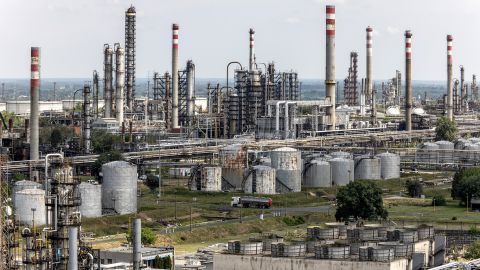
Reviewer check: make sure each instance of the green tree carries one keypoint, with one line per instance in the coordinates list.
(152, 181)
(360, 199)
(439, 200)
(103, 141)
(110, 156)
(148, 236)
(466, 188)
(457, 184)
(414, 188)
(446, 129)
(473, 251)
(56, 137)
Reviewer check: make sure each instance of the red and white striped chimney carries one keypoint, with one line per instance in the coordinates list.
(450, 77)
(175, 29)
(330, 83)
(369, 63)
(408, 80)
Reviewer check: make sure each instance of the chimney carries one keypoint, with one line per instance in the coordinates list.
(408, 80)
(108, 80)
(34, 96)
(119, 82)
(251, 60)
(175, 29)
(449, 77)
(330, 82)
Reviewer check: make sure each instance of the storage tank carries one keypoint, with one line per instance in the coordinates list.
(25, 201)
(211, 179)
(288, 163)
(233, 160)
(445, 151)
(367, 167)
(470, 152)
(261, 180)
(341, 154)
(119, 187)
(474, 140)
(24, 184)
(91, 195)
(342, 171)
(460, 143)
(389, 165)
(317, 174)
(428, 152)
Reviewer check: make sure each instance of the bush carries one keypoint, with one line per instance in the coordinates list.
(294, 221)
(414, 188)
(439, 200)
(148, 236)
(360, 200)
(152, 182)
(446, 129)
(473, 251)
(466, 184)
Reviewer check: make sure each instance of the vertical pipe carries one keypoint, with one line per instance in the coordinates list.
(369, 64)
(450, 77)
(251, 59)
(462, 89)
(191, 90)
(72, 248)
(330, 83)
(34, 96)
(408, 80)
(86, 120)
(95, 94)
(119, 82)
(108, 80)
(130, 29)
(175, 29)
(137, 243)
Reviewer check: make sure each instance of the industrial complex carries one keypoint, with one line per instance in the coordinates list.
(166, 160)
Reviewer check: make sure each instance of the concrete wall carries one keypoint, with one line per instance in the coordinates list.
(238, 262)
(423, 247)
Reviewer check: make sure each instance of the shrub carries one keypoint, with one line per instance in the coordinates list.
(439, 200)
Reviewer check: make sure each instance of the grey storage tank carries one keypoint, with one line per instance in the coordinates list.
(367, 167)
(261, 180)
(445, 151)
(341, 154)
(29, 206)
(342, 171)
(428, 152)
(317, 174)
(233, 160)
(119, 187)
(390, 165)
(211, 179)
(91, 195)
(288, 163)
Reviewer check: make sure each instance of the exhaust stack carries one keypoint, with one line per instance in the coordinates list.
(330, 83)
(408, 80)
(175, 29)
(108, 80)
(450, 77)
(119, 82)
(34, 96)
(137, 243)
(369, 65)
(462, 89)
(86, 119)
(251, 60)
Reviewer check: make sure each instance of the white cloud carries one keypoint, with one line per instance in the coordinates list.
(293, 20)
(392, 30)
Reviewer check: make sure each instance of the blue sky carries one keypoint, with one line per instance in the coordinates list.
(214, 32)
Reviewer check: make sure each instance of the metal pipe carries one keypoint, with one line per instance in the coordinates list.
(408, 80)
(86, 120)
(277, 116)
(462, 89)
(137, 243)
(95, 94)
(369, 80)
(34, 97)
(72, 248)
(330, 82)
(175, 29)
(190, 90)
(251, 60)
(119, 82)
(287, 120)
(108, 80)
(450, 77)
(130, 21)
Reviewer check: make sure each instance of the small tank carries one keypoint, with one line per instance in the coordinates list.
(446, 151)
(428, 152)
(211, 179)
(119, 187)
(460, 143)
(390, 165)
(470, 152)
(24, 184)
(233, 161)
(332, 252)
(474, 140)
(342, 171)
(29, 206)
(91, 195)
(367, 167)
(341, 154)
(288, 164)
(261, 180)
(317, 174)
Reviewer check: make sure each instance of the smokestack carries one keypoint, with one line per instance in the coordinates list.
(34, 95)
(119, 82)
(95, 94)
(108, 80)
(130, 18)
(450, 77)
(251, 60)
(330, 83)
(369, 64)
(190, 90)
(175, 29)
(86, 119)
(462, 88)
(72, 248)
(137, 243)
(408, 80)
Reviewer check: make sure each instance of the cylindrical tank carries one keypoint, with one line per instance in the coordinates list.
(381, 253)
(29, 206)
(24, 184)
(317, 174)
(91, 195)
(445, 151)
(474, 140)
(119, 187)
(428, 152)
(401, 250)
(261, 180)
(233, 160)
(470, 152)
(211, 179)
(341, 154)
(367, 167)
(336, 251)
(287, 161)
(251, 248)
(342, 171)
(460, 143)
(390, 165)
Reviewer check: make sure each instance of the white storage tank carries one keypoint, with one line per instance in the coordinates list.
(343, 171)
(25, 201)
(91, 195)
(261, 180)
(317, 174)
(211, 179)
(24, 184)
(119, 187)
(474, 140)
(233, 161)
(367, 167)
(470, 152)
(445, 151)
(341, 154)
(390, 165)
(288, 164)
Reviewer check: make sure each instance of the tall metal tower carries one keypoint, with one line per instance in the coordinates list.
(130, 18)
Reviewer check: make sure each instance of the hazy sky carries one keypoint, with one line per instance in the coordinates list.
(214, 32)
